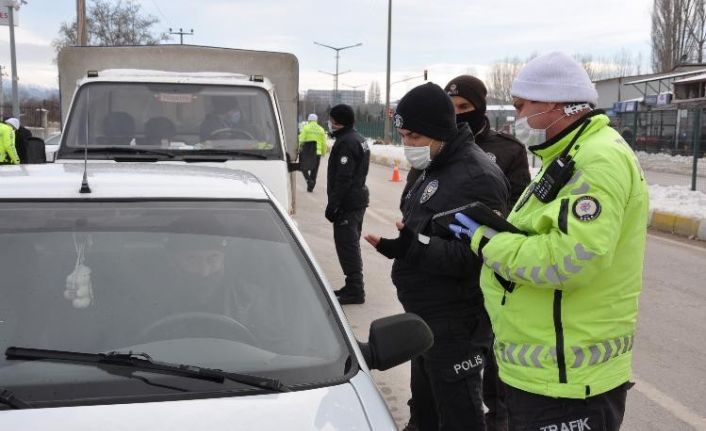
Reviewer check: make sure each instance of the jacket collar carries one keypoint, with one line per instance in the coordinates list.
(551, 148)
(452, 147)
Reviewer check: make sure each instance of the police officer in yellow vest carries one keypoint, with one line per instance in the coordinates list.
(562, 296)
(8, 152)
(312, 145)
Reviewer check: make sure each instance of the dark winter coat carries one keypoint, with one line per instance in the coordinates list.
(510, 155)
(440, 279)
(347, 170)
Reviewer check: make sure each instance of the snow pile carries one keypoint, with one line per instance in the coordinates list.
(661, 162)
(678, 200)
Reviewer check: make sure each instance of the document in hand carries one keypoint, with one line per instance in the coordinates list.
(479, 212)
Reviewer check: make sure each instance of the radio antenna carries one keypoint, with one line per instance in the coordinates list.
(85, 188)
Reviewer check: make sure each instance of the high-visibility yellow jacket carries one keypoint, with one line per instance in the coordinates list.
(315, 133)
(563, 297)
(8, 152)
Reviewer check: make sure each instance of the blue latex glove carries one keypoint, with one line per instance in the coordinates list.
(468, 228)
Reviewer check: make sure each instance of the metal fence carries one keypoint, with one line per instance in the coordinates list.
(31, 113)
(670, 131)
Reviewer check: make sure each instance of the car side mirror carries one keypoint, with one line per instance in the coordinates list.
(396, 339)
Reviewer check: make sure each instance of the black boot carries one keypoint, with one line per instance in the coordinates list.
(350, 296)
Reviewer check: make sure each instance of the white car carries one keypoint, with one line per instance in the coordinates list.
(145, 296)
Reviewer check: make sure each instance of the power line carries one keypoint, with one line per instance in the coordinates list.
(161, 13)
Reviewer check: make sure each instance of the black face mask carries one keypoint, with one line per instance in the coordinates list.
(475, 119)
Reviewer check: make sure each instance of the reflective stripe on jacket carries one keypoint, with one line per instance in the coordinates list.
(565, 320)
(314, 133)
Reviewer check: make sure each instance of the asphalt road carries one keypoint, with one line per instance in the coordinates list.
(670, 347)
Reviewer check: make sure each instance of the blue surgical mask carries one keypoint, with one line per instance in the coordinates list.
(418, 157)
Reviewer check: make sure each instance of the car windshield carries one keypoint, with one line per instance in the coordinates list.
(221, 285)
(181, 118)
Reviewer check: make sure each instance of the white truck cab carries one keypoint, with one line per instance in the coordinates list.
(182, 105)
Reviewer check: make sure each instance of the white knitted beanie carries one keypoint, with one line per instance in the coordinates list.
(554, 77)
(313, 117)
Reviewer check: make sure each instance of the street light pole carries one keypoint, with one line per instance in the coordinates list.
(181, 34)
(336, 98)
(13, 63)
(388, 127)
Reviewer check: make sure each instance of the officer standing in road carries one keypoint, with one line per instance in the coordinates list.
(436, 276)
(8, 151)
(562, 297)
(312, 145)
(347, 199)
(468, 95)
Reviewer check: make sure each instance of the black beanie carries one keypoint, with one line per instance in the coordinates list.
(342, 114)
(470, 88)
(427, 110)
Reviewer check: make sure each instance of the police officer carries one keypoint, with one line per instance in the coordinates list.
(562, 297)
(437, 277)
(347, 199)
(468, 95)
(312, 143)
(8, 151)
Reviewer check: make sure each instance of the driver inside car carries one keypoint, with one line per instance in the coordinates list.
(226, 121)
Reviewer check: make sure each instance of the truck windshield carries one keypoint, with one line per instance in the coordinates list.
(220, 285)
(180, 118)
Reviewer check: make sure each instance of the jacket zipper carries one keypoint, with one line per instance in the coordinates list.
(559, 330)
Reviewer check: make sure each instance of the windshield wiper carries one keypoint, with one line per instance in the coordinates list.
(9, 399)
(223, 152)
(126, 150)
(143, 362)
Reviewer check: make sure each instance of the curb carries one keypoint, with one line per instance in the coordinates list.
(690, 227)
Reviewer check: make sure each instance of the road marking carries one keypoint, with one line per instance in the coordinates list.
(668, 403)
(679, 243)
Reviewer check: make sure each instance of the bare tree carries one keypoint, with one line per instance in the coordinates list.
(502, 73)
(671, 33)
(696, 25)
(374, 93)
(110, 23)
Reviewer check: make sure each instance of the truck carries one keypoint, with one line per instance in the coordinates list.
(182, 104)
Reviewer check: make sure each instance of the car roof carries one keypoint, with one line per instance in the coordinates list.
(128, 180)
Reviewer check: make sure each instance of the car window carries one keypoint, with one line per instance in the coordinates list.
(174, 117)
(214, 284)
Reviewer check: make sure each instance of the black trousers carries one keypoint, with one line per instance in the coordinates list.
(310, 174)
(346, 235)
(446, 380)
(532, 412)
(494, 395)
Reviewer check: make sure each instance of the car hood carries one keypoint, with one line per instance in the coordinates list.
(329, 408)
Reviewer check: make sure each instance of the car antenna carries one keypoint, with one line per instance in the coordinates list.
(85, 188)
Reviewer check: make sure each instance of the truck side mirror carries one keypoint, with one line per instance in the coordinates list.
(396, 339)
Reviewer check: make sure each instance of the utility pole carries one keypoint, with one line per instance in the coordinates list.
(336, 97)
(181, 34)
(81, 36)
(388, 126)
(13, 60)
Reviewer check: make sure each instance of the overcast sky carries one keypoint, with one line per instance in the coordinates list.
(447, 37)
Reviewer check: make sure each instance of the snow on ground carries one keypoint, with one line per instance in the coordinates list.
(672, 199)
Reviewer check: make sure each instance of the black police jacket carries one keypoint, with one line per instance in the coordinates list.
(510, 155)
(347, 170)
(439, 275)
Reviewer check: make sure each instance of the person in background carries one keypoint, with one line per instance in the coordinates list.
(468, 94)
(563, 295)
(312, 145)
(8, 150)
(348, 197)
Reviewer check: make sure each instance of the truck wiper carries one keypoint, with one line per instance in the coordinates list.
(127, 150)
(143, 362)
(223, 152)
(9, 399)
